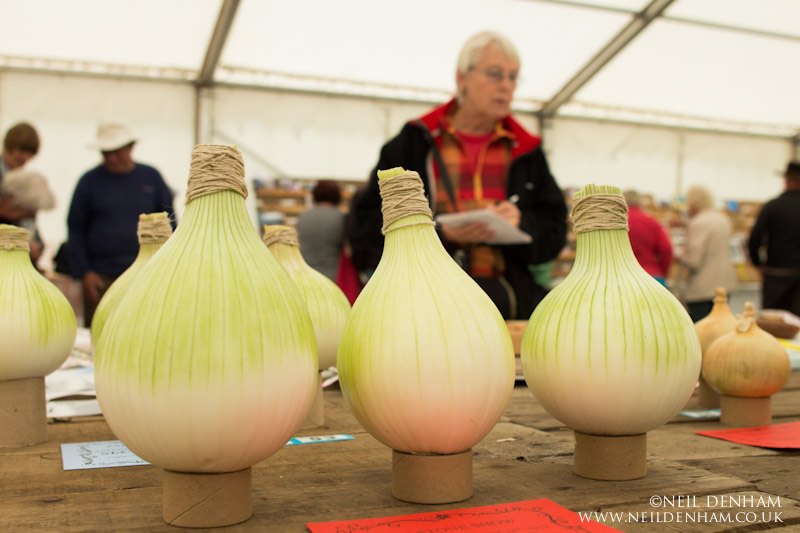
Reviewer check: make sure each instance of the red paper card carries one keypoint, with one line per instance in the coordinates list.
(774, 436)
(531, 515)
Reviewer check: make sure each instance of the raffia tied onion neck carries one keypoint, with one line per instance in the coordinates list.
(154, 229)
(13, 238)
(402, 196)
(280, 235)
(215, 168)
(599, 212)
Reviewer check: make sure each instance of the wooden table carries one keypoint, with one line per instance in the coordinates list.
(527, 456)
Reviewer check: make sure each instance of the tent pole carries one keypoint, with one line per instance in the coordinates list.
(203, 115)
(638, 22)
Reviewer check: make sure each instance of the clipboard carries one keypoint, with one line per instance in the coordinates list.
(504, 233)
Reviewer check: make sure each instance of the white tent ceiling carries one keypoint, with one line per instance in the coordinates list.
(708, 64)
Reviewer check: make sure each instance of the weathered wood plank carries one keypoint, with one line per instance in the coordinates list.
(352, 479)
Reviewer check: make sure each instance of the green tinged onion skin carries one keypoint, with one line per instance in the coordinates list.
(209, 364)
(426, 362)
(117, 289)
(37, 323)
(327, 304)
(609, 351)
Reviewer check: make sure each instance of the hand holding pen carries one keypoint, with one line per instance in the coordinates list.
(508, 210)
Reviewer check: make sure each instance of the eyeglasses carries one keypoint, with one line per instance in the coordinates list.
(497, 75)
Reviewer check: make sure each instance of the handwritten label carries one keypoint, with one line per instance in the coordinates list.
(113, 453)
(103, 454)
(781, 436)
(532, 515)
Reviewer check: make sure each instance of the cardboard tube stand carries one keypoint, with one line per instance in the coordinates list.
(206, 500)
(316, 416)
(23, 412)
(707, 398)
(431, 478)
(745, 412)
(610, 458)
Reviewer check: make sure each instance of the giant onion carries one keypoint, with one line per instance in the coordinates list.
(209, 363)
(37, 328)
(153, 231)
(609, 351)
(425, 362)
(327, 304)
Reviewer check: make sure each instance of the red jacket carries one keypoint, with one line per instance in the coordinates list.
(650, 243)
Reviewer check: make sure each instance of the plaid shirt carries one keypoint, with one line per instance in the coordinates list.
(475, 185)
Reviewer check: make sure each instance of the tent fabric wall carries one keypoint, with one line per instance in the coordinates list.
(665, 162)
(308, 136)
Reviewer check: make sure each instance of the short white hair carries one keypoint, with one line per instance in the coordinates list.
(699, 197)
(473, 49)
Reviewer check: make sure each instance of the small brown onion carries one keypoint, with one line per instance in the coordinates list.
(718, 322)
(747, 362)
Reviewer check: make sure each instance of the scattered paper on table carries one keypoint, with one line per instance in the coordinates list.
(532, 515)
(707, 413)
(102, 454)
(77, 381)
(320, 438)
(73, 408)
(329, 376)
(781, 436)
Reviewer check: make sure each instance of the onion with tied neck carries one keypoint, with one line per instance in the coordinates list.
(426, 362)
(153, 231)
(609, 351)
(37, 332)
(37, 323)
(209, 363)
(327, 304)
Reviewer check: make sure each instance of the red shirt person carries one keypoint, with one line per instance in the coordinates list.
(650, 243)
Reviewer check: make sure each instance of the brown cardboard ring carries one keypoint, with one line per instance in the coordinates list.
(609, 458)
(206, 500)
(432, 478)
(23, 412)
(745, 412)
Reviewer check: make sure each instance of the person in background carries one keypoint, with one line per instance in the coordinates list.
(778, 228)
(20, 144)
(650, 243)
(320, 229)
(104, 214)
(471, 154)
(706, 253)
(29, 192)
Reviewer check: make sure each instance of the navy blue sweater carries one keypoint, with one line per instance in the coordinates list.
(104, 217)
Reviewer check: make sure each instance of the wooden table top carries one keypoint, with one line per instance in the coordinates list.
(528, 455)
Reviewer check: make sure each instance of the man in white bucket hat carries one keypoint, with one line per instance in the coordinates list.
(104, 213)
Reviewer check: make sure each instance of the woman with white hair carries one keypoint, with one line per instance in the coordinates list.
(471, 154)
(706, 252)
